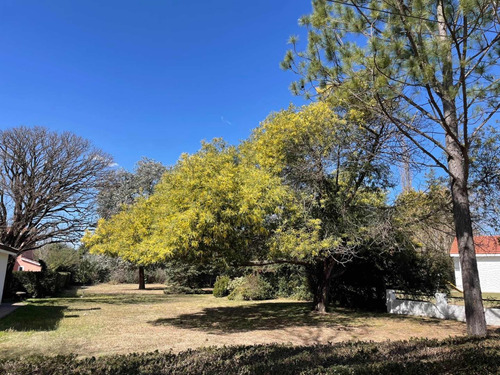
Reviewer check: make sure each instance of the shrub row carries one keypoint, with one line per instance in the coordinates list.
(452, 356)
(40, 284)
(270, 282)
(246, 288)
(250, 288)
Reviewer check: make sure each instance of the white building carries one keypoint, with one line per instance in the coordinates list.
(488, 263)
(4, 258)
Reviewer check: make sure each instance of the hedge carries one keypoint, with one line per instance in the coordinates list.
(463, 355)
(40, 284)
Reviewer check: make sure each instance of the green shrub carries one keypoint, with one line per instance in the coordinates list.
(288, 280)
(179, 289)
(60, 257)
(92, 270)
(40, 284)
(192, 275)
(221, 286)
(250, 288)
(463, 355)
(367, 276)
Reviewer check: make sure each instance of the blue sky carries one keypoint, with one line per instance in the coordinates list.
(145, 78)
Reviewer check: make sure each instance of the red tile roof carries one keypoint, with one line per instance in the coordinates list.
(483, 244)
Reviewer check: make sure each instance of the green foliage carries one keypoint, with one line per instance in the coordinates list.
(460, 355)
(306, 187)
(180, 289)
(40, 284)
(192, 275)
(249, 288)
(60, 257)
(366, 278)
(91, 270)
(221, 286)
(288, 281)
(211, 204)
(94, 269)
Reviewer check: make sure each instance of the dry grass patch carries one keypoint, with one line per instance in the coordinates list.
(111, 319)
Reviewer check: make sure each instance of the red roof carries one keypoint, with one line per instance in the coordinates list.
(483, 244)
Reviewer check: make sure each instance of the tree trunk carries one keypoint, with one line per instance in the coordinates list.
(458, 165)
(142, 279)
(457, 147)
(7, 288)
(474, 311)
(321, 285)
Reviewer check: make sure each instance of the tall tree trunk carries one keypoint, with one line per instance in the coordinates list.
(458, 165)
(474, 310)
(142, 279)
(321, 284)
(457, 147)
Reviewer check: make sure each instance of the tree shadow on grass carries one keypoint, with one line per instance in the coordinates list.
(280, 315)
(33, 317)
(111, 299)
(261, 316)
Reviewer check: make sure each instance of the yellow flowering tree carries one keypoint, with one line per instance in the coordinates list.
(335, 169)
(213, 203)
(304, 189)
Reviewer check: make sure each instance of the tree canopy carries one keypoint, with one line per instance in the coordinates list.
(430, 68)
(212, 203)
(48, 184)
(307, 188)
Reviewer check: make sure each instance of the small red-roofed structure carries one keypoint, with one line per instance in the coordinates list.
(26, 262)
(488, 262)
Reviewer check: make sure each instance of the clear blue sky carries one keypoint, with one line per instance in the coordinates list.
(145, 78)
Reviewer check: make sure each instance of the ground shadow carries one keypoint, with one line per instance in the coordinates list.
(262, 316)
(112, 299)
(279, 315)
(33, 317)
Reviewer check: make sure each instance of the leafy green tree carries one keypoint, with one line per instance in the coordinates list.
(59, 257)
(122, 236)
(428, 66)
(426, 216)
(339, 178)
(307, 189)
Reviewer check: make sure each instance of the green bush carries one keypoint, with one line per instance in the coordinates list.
(288, 280)
(366, 278)
(40, 284)
(463, 355)
(179, 289)
(60, 257)
(221, 286)
(91, 270)
(250, 288)
(192, 275)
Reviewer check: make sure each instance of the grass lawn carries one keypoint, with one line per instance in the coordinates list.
(114, 319)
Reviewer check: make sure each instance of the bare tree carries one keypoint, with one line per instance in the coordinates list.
(47, 186)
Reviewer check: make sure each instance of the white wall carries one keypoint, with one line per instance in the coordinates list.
(440, 309)
(489, 273)
(3, 271)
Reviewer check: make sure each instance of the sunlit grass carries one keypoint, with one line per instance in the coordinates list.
(109, 319)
